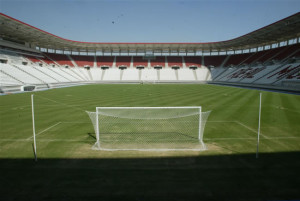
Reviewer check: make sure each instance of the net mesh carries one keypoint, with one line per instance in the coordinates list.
(149, 128)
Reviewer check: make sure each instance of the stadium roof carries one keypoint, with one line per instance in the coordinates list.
(14, 30)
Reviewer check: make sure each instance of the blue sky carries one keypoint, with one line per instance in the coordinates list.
(149, 20)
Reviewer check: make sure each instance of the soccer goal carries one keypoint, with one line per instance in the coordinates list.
(149, 128)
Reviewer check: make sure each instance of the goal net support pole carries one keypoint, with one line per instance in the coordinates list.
(149, 128)
(258, 130)
(33, 127)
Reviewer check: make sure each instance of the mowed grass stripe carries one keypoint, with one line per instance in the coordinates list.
(227, 103)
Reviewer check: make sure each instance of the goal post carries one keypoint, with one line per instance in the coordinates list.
(149, 128)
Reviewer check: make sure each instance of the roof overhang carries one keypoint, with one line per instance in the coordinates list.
(15, 30)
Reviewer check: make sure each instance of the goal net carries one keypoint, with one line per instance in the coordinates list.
(149, 128)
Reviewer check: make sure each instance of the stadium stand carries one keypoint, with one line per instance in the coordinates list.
(130, 75)
(186, 74)
(112, 75)
(123, 61)
(7, 79)
(203, 74)
(61, 59)
(193, 61)
(174, 61)
(33, 59)
(105, 61)
(140, 61)
(149, 74)
(278, 74)
(96, 74)
(167, 74)
(83, 61)
(238, 59)
(214, 60)
(159, 61)
(271, 65)
(48, 61)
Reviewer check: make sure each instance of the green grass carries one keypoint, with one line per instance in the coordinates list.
(68, 169)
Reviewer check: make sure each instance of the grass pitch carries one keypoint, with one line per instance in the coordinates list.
(67, 168)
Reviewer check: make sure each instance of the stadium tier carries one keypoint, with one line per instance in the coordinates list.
(174, 61)
(54, 69)
(140, 61)
(82, 61)
(123, 61)
(105, 61)
(57, 62)
(61, 59)
(194, 61)
(159, 61)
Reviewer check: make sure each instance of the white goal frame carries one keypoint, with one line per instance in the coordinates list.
(97, 145)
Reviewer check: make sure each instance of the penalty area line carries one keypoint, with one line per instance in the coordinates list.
(245, 138)
(45, 140)
(44, 130)
(251, 129)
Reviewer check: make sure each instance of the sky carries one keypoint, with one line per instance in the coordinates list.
(149, 20)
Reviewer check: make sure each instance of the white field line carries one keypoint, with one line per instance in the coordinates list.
(222, 121)
(251, 129)
(75, 122)
(46, 140)
(44, 130)
(269, 138)
(234, 138)
(208, 139)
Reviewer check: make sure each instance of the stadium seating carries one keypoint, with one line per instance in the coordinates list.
(158, 61)
(174, 61)
(193, 61)
(149, 74)
(82, 61)
(124, 61)
(203, 74)
(288, 52)
(140, 61)
(20, 74)
(61, 59)
(295, 75)
(167, 74)
(112, 75)
(33, 59)
(280, 73)
(105, 61)
(275, 67)
(96, 74)
(214, 60)
(130, 74)
(186, 74)
(238, 59)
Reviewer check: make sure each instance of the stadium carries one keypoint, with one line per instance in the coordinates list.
(150, 121)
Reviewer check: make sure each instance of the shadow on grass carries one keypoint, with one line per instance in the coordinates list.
(225, 177)
(92, 135)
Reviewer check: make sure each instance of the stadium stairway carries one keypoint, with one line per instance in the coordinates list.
(121, 74)
(103, 74)
(158, 74)
(195, 75)
(225, 60)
